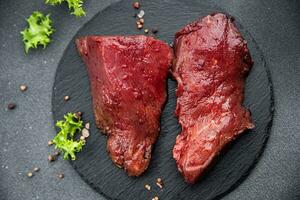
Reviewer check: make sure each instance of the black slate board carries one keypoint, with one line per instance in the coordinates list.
(93, 163)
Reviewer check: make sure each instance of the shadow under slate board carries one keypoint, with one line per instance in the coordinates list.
(93, 163)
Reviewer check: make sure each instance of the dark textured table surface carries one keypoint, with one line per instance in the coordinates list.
(25, 130)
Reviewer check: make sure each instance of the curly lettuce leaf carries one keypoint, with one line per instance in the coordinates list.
(64, 140)
(38, 32)
(74, 5)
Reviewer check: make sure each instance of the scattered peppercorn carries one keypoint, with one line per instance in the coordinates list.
(142, 21)
(11, 106)
(36, 169)
(23, 88)
(154, 30)
(171, 44)
(82, 137)
(29, 174)
(141, 14)
(56, 153)
(50, 142)
(51, 158)
(139, 26)
(66, 98)
(78, 115)
(136, 5)
(159, 183)
(85, 133)
(148, 187)
(87, 125)
(146, 31)
(61, 176)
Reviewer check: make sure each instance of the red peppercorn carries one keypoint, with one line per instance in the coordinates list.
(11, 106)
(136, 5)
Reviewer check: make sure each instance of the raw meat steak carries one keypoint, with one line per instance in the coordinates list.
(128, 83)
(211, 63)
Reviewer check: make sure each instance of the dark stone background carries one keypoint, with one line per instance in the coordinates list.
(24, 132)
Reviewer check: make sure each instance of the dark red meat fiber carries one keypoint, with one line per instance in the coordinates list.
(128, 82)
(211, 63)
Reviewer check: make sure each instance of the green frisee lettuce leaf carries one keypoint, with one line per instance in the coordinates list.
(38, 32)
(64, 140)
(74, 5)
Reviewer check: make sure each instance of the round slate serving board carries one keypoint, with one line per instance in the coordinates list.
(94, 164)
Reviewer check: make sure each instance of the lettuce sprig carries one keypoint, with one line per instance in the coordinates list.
(75, 6)
(64, 140)
(38, 31)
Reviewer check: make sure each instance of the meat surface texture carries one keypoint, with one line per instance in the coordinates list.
(211, 63)
(128, 83)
